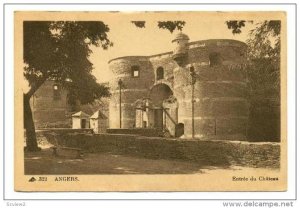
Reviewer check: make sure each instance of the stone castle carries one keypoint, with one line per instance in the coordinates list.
(197, 90)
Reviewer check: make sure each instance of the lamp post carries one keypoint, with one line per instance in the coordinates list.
(120, 83)
(146, 109)
(193, 76)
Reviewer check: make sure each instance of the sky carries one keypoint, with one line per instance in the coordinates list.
(131, 41)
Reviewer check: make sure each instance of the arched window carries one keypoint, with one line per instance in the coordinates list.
(135, 71)
(159, 73)
(56, 92)
(215, 59)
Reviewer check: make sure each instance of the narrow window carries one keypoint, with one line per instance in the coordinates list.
(135, 70)
(56, 92)
(215, 59)
(159, 73)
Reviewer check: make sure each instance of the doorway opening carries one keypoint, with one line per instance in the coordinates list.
(158, 94)
(83, 123)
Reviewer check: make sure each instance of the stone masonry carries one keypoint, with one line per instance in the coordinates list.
(220, 90)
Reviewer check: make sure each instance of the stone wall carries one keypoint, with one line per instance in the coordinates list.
(231, 51)
(151, 132)
(221, 92)
(210, 153)
(221, 105)
(167, 63)
(49, 112)
(63, 131)
(133, 88)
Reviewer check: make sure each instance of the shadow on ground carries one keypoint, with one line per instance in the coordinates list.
(123, 154)
(44, 162)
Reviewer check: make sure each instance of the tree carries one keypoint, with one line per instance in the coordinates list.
(263, 72)
(264, 39)
(59, 51)
(263, 51)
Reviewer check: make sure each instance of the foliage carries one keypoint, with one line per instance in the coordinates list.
(236, 26)
(139, 24)
(263, 72)
(264, 79)
(264, 39)
(167, 25)
(171, 25)
(263, 51)
(60, 51)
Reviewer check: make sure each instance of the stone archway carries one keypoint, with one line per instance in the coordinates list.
(159, 93)
(164, 112)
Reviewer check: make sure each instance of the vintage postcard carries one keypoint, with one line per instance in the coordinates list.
(150, 101)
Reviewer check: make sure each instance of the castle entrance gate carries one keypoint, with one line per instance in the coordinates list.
(158, 94)
(164, 108)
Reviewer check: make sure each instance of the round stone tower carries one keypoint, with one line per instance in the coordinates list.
(181, 48)
(219, 88)
(205, 78)
(137, 76)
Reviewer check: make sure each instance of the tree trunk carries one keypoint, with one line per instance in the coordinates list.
(31, 142)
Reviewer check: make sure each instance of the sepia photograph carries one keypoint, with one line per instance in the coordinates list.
(150, 101)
